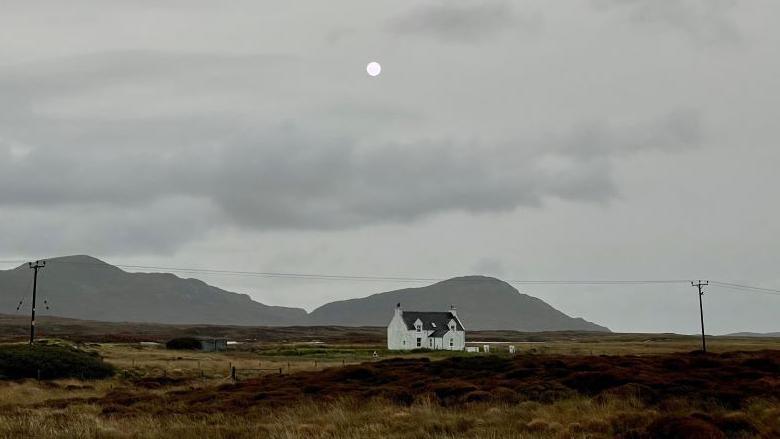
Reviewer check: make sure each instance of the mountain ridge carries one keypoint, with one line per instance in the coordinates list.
(84, 287)
(482, 303)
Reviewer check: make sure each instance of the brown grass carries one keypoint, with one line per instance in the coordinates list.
(684, 395)
(727, 380)
(165, 394)
(575, 417)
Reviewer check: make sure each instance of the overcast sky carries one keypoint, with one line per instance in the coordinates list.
(588, 139)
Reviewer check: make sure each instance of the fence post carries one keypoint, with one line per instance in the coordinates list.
(280, 371)
(39, 374)
(233, 372)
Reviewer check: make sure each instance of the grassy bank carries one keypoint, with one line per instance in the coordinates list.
(577, 417)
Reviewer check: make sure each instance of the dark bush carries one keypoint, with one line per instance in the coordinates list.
(358, 373)
(763, 364)
(312, 389)
(517, 374)
(644, 393)
(688, 427)
(736, 424)
(704, 362)
(452, 388)
(477, 396)
(505, 394)
(52, 361)
(184, 343)
(592, 383)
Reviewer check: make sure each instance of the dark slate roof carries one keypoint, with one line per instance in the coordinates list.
(439, 333)
(440, 319)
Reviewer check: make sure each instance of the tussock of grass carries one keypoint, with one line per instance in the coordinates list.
(526, 396)
(578, 417)
(51, 362)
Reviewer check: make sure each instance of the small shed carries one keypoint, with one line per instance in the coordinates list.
(208, 344)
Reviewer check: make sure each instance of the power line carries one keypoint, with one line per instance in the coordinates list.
(319, 276)
(410, 279)
(20, 305)
(746, 288)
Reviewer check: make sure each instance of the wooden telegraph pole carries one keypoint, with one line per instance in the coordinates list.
(35, 266)
(699, 285)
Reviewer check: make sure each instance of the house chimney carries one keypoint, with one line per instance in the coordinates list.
(398, 310)
(453, 311)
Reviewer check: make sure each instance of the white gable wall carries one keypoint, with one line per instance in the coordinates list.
(399, 337)
(458, 339)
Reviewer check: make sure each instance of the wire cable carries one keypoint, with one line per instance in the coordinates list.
(319, 276)
(745, 288)
(405, 279)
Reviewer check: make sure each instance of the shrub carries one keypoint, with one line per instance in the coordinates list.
(687, 427)
(184, 343)
(53, 361)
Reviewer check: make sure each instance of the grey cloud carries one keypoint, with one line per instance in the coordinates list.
(271, 172)
(490, 266)
(705, 21)
(291, 178)
(680, 129)
(457, 21)
(159, 227)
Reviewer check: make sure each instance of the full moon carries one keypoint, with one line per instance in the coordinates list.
(373, 68)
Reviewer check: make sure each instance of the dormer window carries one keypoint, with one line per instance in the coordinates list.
(418, 327)
(452, 327)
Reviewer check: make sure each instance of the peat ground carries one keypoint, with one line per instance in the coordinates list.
(728, 380)
(722, 395)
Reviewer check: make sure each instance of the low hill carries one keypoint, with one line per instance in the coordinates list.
(755, 334)
(83, 287)
(482, 303)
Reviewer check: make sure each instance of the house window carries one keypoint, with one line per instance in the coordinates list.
(451, 342)
(418, 327)
(430, 342)
(419, 342)
(452, 327)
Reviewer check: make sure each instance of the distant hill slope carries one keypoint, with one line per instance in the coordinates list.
(86, 288)
(83, 287)
(482, 303)
(755, 334)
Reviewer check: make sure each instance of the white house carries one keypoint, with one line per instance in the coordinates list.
(431, 330)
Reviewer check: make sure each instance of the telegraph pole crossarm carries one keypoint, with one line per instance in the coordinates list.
(700, 285)
(37, 265)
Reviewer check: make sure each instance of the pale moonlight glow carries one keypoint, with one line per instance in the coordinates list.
(373, 68)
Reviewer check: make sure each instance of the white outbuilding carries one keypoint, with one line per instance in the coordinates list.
(426, 330)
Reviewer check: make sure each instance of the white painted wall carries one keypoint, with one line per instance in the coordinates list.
(400, 338)
(397, 335)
